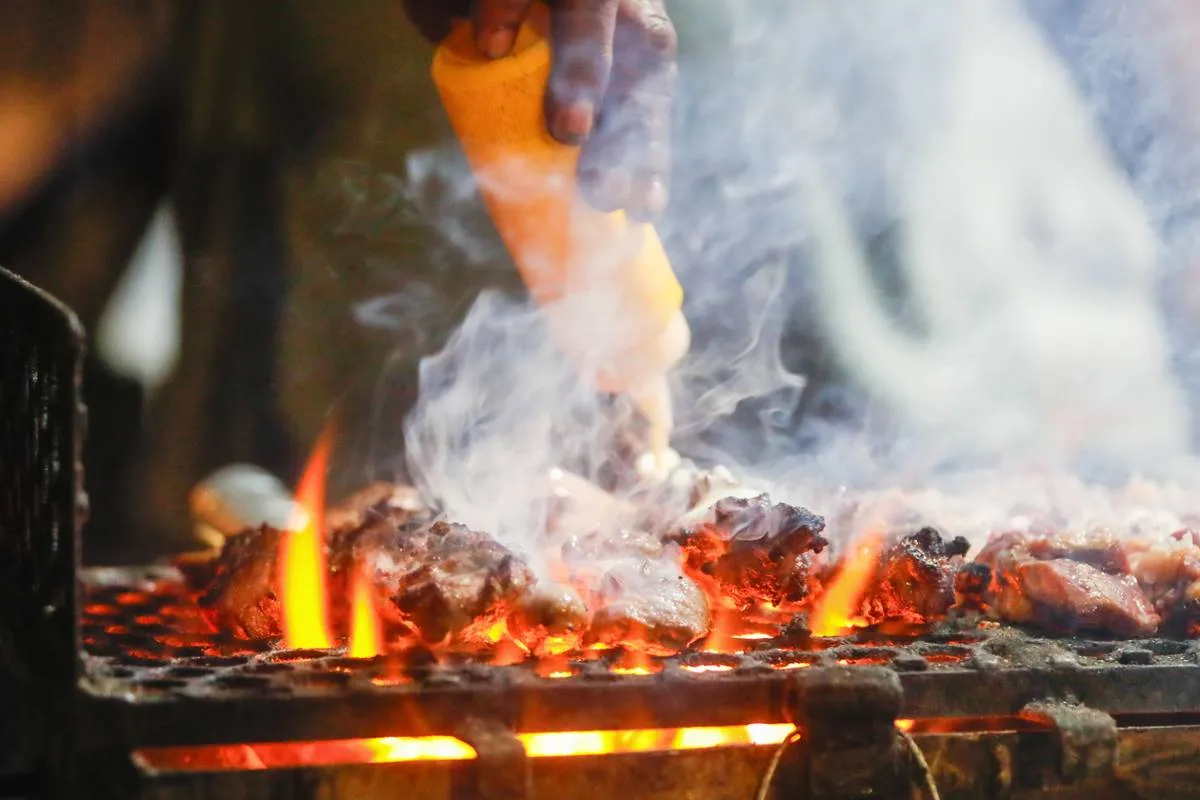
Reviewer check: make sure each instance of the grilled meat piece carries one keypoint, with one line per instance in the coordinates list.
(443, 579)
(240, 587)
(1060, 593)
(650, 607)
(750, 552)
(914, 579)
(1168, 571)
(242, 596)
(549, 619)
(1071, 596)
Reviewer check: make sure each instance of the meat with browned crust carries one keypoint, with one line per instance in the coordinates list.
(241, 592)
(914, 579)
(444, 580)
(750, 552)
(650, 607)
(242, 596)
(1060, 593)
(1168, 571)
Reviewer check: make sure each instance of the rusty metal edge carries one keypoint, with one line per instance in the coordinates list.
(657, 701)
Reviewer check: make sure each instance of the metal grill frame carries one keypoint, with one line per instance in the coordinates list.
(42, 508)
(144, 675)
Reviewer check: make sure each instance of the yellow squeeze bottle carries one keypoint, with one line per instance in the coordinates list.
(605, 283)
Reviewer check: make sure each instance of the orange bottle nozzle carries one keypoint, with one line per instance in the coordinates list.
(606, 282)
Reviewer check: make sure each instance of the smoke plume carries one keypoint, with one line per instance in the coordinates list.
(934, 197)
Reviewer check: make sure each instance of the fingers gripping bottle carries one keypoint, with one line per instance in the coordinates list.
(611, 298)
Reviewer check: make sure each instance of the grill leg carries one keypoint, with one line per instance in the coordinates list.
(850, 746)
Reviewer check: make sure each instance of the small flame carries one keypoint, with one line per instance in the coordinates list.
(366, 633)
(634, 662)
(721, 639)
(836, 612)
(302, 560)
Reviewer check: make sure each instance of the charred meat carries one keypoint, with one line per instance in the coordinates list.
(242, 596)
(915, 578)
(444, 580)
(749, 551)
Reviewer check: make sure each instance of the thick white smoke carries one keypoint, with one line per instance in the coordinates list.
(1028, 343)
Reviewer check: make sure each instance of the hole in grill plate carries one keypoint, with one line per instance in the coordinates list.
(189, 672)
(292, 656)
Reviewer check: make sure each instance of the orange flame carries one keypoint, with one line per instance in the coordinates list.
(725, 622)
(366, 633)
(302, 559)
(837, 610)
(634, 662)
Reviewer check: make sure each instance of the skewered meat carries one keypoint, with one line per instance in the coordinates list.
(1060, 593)
(650, 607)
(914, 580)
(549, 619)
(242, 596)
(752, 552)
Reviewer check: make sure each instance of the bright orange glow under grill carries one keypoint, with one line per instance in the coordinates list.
(302, 559)
(396, 749)
(837, 611)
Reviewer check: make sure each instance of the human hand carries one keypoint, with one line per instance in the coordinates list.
(611, 87)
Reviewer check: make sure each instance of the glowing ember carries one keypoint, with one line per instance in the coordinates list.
(302, 560)
(366, 634)
(753, 636)
(836, 611)
(631, 671)
(508, 652)
(555, 667)
(708, 668)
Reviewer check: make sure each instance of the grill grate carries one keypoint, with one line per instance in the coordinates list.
(148, 646)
